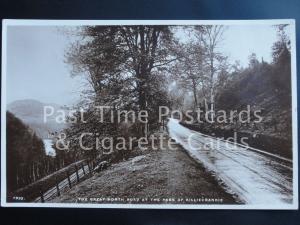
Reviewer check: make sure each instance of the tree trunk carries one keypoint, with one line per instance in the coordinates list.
(195, 96)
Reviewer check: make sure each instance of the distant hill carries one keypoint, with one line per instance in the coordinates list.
(31, 112)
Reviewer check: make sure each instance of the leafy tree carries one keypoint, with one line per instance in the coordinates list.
(210, 38)
(282, 47)
(281, 52)
(189, 70)
(253, 62)
(125, 67)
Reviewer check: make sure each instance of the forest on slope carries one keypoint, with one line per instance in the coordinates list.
(25, 154)
(264, 86)
(27, 161)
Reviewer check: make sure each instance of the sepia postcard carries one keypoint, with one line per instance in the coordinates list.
(175, 114)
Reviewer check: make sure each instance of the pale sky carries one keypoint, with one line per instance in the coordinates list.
(241, 41)
(36, 68)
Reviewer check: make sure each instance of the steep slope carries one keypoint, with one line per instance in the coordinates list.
(158, 176)
(25, 152)
(31, 112)
(265, 87)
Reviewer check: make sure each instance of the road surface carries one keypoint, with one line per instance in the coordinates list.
(257, 177)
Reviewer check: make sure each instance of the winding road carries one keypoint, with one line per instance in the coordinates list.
(256, 176)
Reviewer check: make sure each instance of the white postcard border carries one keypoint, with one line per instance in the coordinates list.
(12, 22)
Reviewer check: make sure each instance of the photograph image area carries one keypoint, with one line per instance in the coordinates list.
(149, 114)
